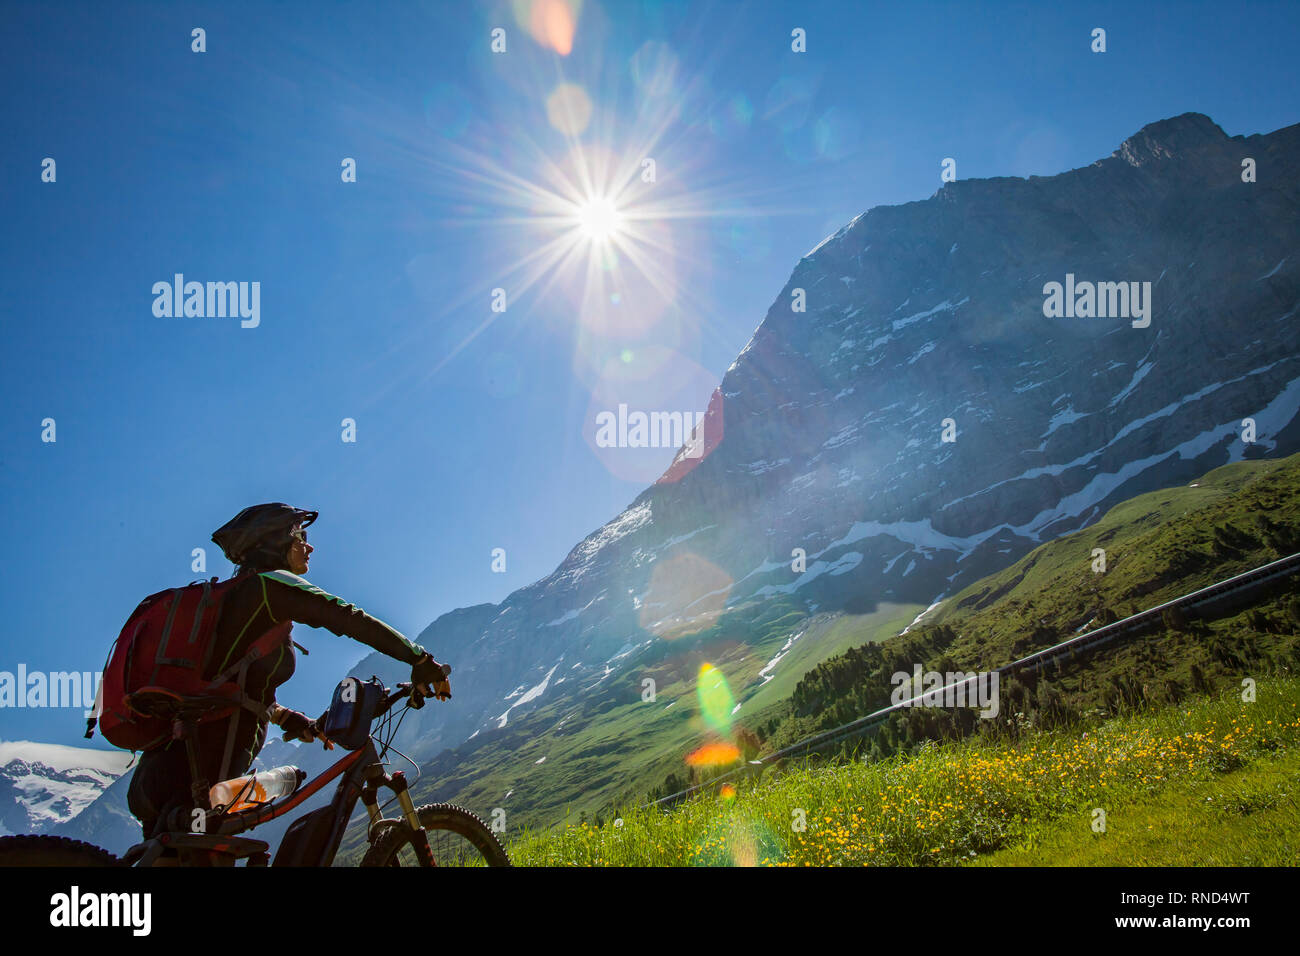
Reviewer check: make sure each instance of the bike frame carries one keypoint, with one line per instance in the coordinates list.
(362, 775)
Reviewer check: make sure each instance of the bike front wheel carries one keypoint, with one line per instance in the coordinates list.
(456, 837)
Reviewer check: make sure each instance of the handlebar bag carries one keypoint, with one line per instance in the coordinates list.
(352, 709)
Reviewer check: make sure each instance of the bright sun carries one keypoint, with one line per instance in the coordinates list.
(599, 219)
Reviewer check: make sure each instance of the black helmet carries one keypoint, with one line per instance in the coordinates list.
(261, 533)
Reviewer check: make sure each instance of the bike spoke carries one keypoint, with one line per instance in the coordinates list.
(449, 849)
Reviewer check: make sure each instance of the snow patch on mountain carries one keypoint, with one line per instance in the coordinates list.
(571, 614)
(944, 306)
(535, 692)
(678, 539)
(1274, 416)
(1138, 375)
(917, 620)
(622, 652)
(766, 671)
(841, 565)
(1063, 417)
(920, 534)
(923, 350)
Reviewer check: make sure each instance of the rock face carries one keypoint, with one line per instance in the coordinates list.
(917, 314)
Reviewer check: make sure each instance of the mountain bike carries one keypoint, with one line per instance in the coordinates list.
(433, 835)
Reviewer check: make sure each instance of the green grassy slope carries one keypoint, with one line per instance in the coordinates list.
(1211, 781)
(1247, 817)
(1157, 547)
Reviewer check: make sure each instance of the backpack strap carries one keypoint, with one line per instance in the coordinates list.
(204, 600)
(224, 772)
(177, 595)
(260, 710)
(260, 648)
(276, 636)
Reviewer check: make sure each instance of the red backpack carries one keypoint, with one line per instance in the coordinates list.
(164, 651)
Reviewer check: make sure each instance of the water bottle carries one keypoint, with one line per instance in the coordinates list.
(256, 789)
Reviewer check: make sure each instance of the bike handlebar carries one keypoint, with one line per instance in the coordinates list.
(391, 698)
(404, 689)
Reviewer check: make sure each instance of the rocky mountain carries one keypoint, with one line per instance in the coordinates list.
(827, 434)
(44, 785)
(912, 414)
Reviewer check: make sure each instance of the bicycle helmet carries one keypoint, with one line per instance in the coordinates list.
(260, 536)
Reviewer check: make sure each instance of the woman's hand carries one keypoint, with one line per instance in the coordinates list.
(429, 678)
(297, 726)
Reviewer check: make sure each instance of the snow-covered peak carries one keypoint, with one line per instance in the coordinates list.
(42, 784)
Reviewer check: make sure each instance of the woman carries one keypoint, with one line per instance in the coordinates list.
(268, 545)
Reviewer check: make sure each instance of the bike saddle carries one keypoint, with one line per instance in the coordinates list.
(160, 702)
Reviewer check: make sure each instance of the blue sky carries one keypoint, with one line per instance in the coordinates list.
(376, 295)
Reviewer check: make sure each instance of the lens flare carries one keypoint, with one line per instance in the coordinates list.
(739, 841)
(568, 109)
(686, 594)
(727, 793)
(718, 754)
(551, 23)
(744, 848)
(716, 702)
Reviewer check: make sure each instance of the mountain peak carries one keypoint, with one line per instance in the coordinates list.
(919, 317)
(1167, 138)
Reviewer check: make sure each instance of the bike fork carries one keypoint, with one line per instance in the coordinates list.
(420, 839)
